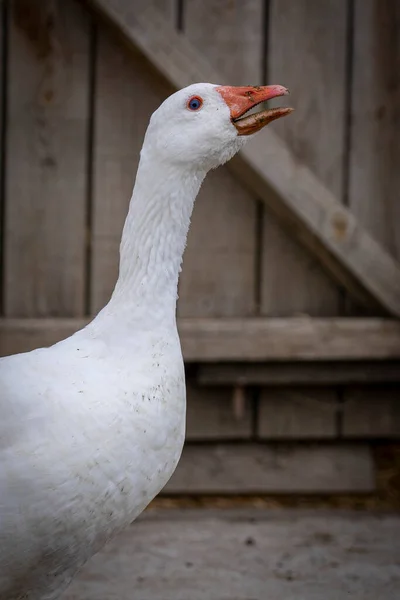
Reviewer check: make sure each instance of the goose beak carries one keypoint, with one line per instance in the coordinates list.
(242, 99)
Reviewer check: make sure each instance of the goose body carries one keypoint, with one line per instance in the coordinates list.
(92, 428)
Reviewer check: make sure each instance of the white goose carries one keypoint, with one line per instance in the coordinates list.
(92, 428)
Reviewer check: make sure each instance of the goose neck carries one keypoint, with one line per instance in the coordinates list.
(154, 238)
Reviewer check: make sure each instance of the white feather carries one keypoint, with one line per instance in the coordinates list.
(92, 428)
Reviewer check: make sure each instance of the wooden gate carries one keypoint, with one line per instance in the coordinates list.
(290, 291)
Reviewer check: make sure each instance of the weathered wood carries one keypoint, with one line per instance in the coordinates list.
(375, 117)
(218, 276)
(299, 373)
(115, 158)
(125, 96)
(248, 468)
(23, 335)
(210, 415)
(230, 35)
(218, 272)
(292, 280)
(329, 230)
(3, 86)
(374, 175)
(247, 554)
(289, 339)
(46, 172)
(169, 9)
(298, 414)
(145, 29)
(213, 340)
(267, 167)
(372, 413)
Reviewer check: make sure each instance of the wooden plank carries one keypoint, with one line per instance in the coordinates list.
(292, 280)
(289, 339)
(46, 174)
(115, 158)
(218, 273)
(375, 135)
(266, 166)
(3, 87)
(23, 335)
(372, 413)
(374, 176)
(214, 340)
(257, 469)
(126, 96)
(255, 552)
(218, 276)
(230, 35)
(299, 373)
(308, 413)
(328, 230)
(210, 414)
(168, 8)
(145, 29)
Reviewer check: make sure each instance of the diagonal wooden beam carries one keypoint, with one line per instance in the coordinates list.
(266, 166)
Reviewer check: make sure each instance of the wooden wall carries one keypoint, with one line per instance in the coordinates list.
(74, 107)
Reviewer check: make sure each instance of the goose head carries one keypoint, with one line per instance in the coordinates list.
(204, 125)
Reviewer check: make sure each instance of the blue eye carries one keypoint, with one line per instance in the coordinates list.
(195, 103)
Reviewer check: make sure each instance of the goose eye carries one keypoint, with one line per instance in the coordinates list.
(195, 103)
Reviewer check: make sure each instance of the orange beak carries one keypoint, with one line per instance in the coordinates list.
(242, 99)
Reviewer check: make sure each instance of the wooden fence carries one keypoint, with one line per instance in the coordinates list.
(284, 323)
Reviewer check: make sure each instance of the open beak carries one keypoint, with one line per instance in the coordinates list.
(242, 99)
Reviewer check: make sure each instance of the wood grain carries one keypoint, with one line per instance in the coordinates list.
(215, 340)
(308, 413)
(331, 232)
(46, 170)
(126, 96)
(247, 553)
(218, 277)
(374, 180)
(168, 8)
(253, 469)
(146, 30)
(372, 413)
(210, 414)
(292, 280)
(306, 207)
(289, 339)
(375, 116)
(3, 87)
(229, 34)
